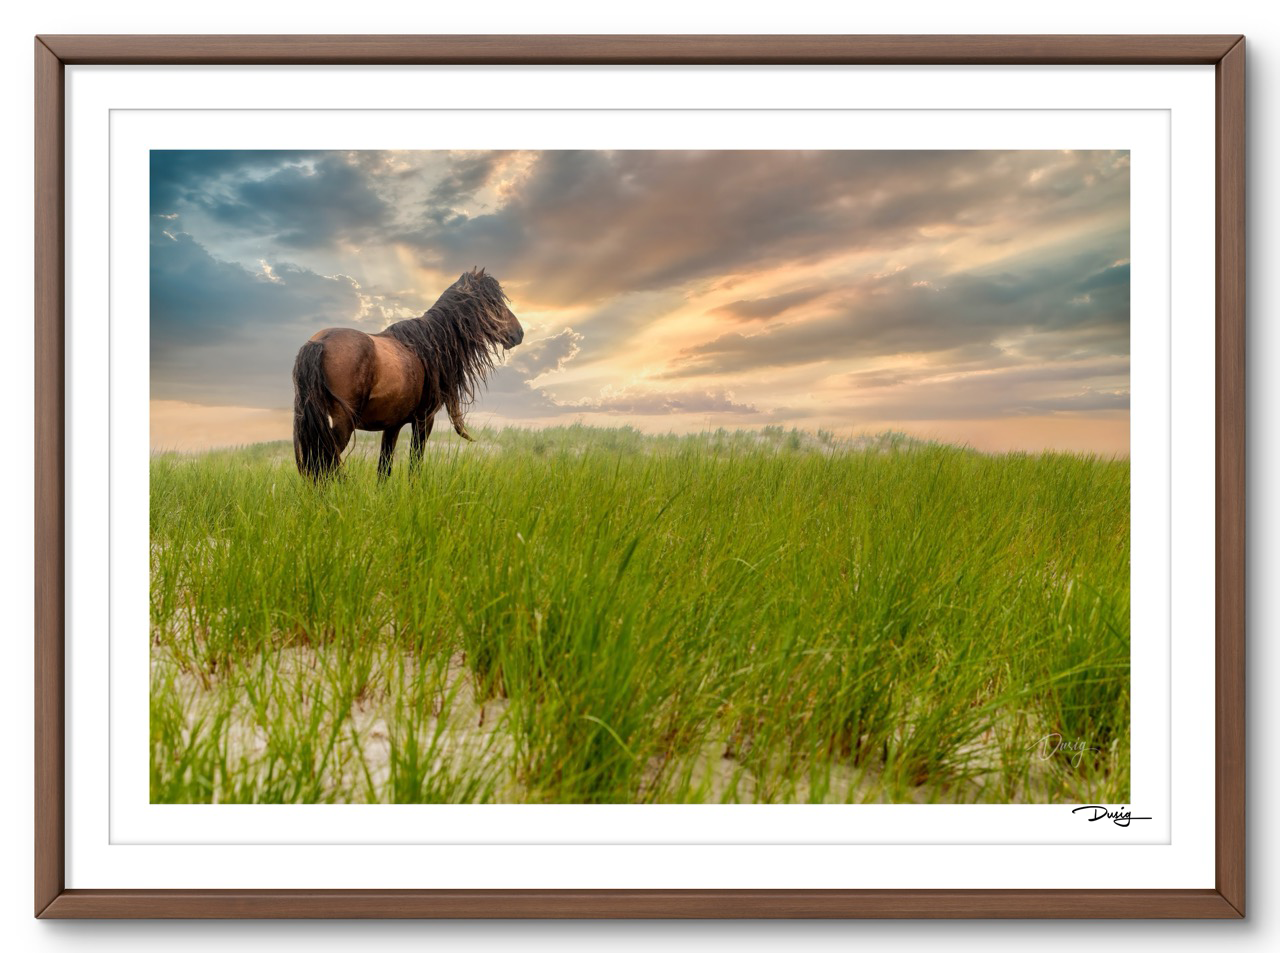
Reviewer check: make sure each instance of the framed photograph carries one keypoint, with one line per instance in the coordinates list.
(821, 491)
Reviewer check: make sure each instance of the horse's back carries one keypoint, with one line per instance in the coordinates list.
(348, 357)
(373, 373)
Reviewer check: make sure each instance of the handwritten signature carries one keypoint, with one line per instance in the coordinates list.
(1120, 818)
(1053, 742)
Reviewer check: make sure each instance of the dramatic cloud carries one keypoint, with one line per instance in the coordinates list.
(587, 225)
(219, 329)
(955, 290)
(523, 388)
(197, 299)
(1083, 303)
(769, 307)
(181, 177)
(310, 205)
(510, 390)
(465, 175)
(1074, 388)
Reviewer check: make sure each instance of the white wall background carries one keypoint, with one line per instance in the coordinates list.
(22, 20)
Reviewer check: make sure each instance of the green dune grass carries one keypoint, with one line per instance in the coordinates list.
(592, 615)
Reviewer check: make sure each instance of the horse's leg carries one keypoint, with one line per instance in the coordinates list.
(342, 428)
(421, 431)
(455, 414)
(389, 437)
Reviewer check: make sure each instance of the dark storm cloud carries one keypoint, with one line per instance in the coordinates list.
(214, 321)
(196, 298)
(179, 176)
(1065, 309)
(588, 225)
(304, 206)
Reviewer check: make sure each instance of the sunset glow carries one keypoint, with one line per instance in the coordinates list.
(979, 298)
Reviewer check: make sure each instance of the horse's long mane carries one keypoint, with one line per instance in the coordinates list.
(458, 337)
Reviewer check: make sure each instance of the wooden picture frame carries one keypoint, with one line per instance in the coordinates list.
(53, 53)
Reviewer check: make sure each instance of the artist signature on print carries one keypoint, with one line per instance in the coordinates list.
(1097, 812)
(1053, 743)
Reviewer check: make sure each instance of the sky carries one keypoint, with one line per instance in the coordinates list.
(976, 297)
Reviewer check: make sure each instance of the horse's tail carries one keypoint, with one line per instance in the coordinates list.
(314, 446)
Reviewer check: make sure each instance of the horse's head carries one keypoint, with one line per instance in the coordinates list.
(503, 326)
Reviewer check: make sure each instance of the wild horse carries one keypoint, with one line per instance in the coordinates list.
(346, 380)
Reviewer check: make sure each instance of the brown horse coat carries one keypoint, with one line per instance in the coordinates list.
(346, 380)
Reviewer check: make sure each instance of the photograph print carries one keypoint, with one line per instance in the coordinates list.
(639, 477)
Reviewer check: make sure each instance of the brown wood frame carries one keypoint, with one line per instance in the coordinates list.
(52, 53)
